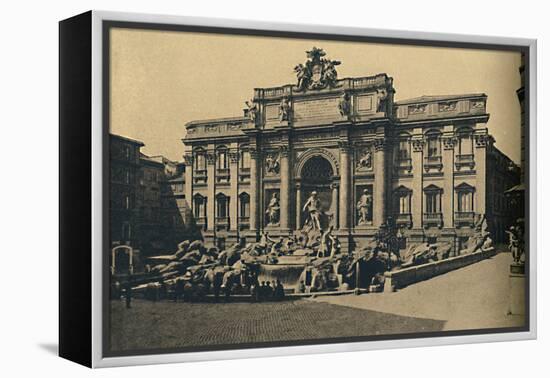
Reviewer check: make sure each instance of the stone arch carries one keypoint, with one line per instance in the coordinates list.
(317, 152)
(129, 251)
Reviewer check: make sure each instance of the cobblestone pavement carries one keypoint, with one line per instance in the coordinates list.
(178, 325)
(472, 297)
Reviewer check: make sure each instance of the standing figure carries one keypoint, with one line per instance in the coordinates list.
(364, 206)
(252, 111)
(344, 106)
(303, 73)
(273, 209)
(284, 110)
(313, 208)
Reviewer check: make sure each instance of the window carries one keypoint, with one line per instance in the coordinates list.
(245, 159)
(432, 196)
(222, 206)
(465, 202)
(403, 153)
(465, 144)
(432, 203)
(402, 200)
(222, 159)
(244, 205)
(199, 206)
(200, 161)
(433, 146)
(465, 198)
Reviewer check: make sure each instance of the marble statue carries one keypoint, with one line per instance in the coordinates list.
(273, 209)
(364, 207)
(313, 209)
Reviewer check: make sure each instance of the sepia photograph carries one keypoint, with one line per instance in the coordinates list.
(274, 189)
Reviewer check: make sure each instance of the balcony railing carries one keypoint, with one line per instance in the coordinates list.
(222, 175)
(201, 222)
(222, 223)
(466, 160)
(432, 162)
(244, 223)
(433, 219)
(404, 219)
(199, 175)
(403, 165)
(244, 174)
(464, 217)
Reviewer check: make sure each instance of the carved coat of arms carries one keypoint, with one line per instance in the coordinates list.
(317, 72)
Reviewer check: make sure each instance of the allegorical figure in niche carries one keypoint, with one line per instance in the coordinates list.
(313, 209)
(273, 209)
(364, 207)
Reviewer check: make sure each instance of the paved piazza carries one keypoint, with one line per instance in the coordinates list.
(471, 297)
(170, 325)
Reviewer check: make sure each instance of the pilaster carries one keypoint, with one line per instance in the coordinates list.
(482, 141)
(447, 201)
(254, 183)
(379, 205)
(417, 184)
(234, 190)
(345, 185)
(211, 190)
(285, 189)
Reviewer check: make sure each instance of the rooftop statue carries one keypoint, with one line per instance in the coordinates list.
(317, 72)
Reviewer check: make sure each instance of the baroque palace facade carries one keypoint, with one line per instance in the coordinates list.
(429, 162)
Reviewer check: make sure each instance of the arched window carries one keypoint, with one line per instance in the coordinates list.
(244, 205)
(222, 207)
(199, 206)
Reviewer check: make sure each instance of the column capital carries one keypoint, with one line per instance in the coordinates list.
(284, 151)
(449, 142)
(234, 157)
(334, 185)
(345, 146)
(188, 159)
(379, 144)
(254, 153)
(210, 158)
(483, 140)
(418, 145)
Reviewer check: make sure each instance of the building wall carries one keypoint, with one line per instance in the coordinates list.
(124, 174)
(428, 162)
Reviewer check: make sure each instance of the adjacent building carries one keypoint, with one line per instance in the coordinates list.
(148, 208)
(429, 162)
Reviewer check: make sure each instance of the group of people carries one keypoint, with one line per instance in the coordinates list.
(267, 291)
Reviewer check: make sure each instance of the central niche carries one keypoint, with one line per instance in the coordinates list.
(317, 175)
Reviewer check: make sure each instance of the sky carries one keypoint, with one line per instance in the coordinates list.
(161, 80)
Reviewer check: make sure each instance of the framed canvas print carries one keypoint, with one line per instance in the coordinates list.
(233, 189)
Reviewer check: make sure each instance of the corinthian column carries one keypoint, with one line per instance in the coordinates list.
(254, 177)
(379, 182)
(345, 186)
(285, 189)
